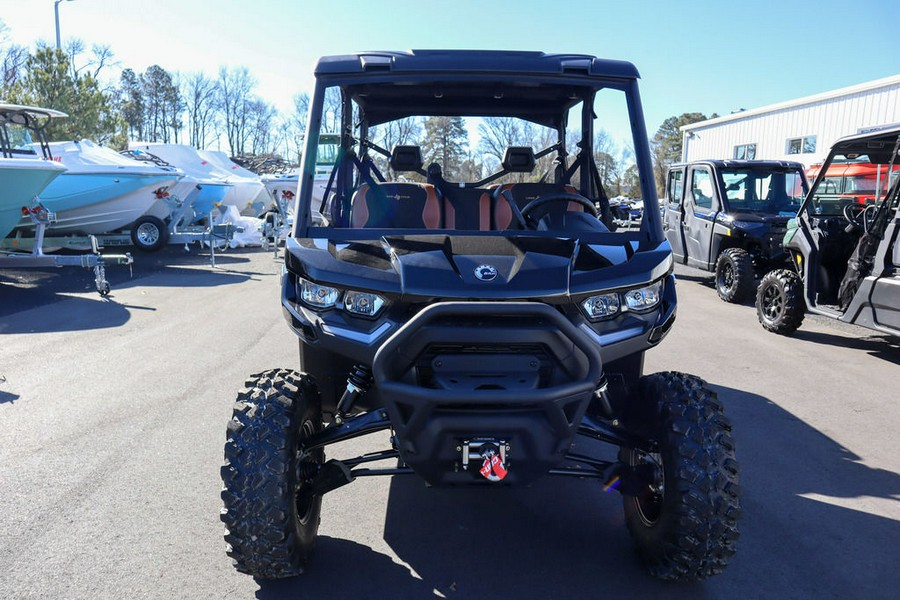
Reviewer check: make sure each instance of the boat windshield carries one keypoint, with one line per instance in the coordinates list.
(764, 190)
(328, 149)
(19, 139)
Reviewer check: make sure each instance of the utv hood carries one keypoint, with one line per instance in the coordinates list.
(482, 267)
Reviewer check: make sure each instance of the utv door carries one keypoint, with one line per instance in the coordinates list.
(886, 292)
(700, 208)
(674, 212)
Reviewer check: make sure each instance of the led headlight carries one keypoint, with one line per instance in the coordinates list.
(363, 303)
(318, 296)
(600, 307)
(643, 298)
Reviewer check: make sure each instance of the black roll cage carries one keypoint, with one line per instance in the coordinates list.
(651, 233)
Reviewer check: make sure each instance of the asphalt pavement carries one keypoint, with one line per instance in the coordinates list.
(112, 425)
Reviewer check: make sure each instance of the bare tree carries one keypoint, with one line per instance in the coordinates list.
(499, 133)
(12, 66)
(395, 133)
(200, 93)
(235, 88)
(102, 57)
(261, 118)
(331, 111)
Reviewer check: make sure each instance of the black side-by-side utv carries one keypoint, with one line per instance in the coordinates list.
(845, 255)
(488, 321)
(730, 216)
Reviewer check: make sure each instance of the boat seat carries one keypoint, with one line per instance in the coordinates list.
(392, 205)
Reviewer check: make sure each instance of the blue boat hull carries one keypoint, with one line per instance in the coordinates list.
(20, 181)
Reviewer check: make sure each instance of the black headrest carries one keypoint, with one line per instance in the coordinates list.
(406, 158)
(519, 159)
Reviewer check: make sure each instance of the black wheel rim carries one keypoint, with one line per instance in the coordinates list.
(307, 468)
(726, 278)
(648, 504)
(773, 303)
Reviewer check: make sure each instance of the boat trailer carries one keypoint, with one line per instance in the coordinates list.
(35, 259)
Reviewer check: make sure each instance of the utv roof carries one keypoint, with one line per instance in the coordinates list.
(534, 86)
(745, 164)
(437, 62)
(877, 145)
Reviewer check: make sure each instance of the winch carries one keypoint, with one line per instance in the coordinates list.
(487, 456)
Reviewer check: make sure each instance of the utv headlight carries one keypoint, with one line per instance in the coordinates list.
(602, 306)
(643, 298)
(362, 303)
(318, 296)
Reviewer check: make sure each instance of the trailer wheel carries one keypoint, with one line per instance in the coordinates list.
(149, 233)
(684, 523)
(271, 515)
(734, 275)
(780, 306)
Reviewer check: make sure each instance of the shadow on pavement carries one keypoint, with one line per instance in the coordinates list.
(345, 569)
(884, 347)
(81, 314)
(566, 538)
(24, 289)
(8, 397)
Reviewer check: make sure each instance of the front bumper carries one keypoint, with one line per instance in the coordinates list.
(519, 373)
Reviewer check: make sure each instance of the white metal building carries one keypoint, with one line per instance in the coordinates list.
(802, 130)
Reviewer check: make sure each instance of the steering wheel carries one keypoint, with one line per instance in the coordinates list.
(859, 216)
(566, 197)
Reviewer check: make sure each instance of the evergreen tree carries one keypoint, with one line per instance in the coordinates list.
(131, 103)
(666, 145)
(50, 83)
(446, 142)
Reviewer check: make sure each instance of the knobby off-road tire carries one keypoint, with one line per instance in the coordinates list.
(685, 525)
(780, 305)
(735, 277)
(271, 517)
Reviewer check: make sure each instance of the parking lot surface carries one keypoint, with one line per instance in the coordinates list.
(112, 423)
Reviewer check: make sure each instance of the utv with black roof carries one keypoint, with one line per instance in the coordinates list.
(845, 257)
(730, 216)
(490, 321)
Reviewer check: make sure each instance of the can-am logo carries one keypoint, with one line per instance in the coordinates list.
(485, 272)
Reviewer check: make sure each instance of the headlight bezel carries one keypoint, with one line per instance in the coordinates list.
(653, 290)
(320, 298)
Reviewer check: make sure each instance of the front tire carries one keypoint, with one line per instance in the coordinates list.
(780, 306)
(684, 523)
(735, 277)
(271, 515)
(149, 233)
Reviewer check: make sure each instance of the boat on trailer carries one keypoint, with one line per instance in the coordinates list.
(24, 176)
(248, 195)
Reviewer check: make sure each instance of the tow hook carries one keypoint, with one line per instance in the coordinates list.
(492, 454)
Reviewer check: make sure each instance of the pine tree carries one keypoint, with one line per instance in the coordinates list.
(446, 142)
(50, 83)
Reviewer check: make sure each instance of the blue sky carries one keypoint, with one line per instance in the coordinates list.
(694, 56)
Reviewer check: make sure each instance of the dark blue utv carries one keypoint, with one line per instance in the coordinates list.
(464, 291)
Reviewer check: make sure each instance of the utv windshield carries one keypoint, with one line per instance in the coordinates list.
(476, 157)
(764, 191)
(858, 173)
